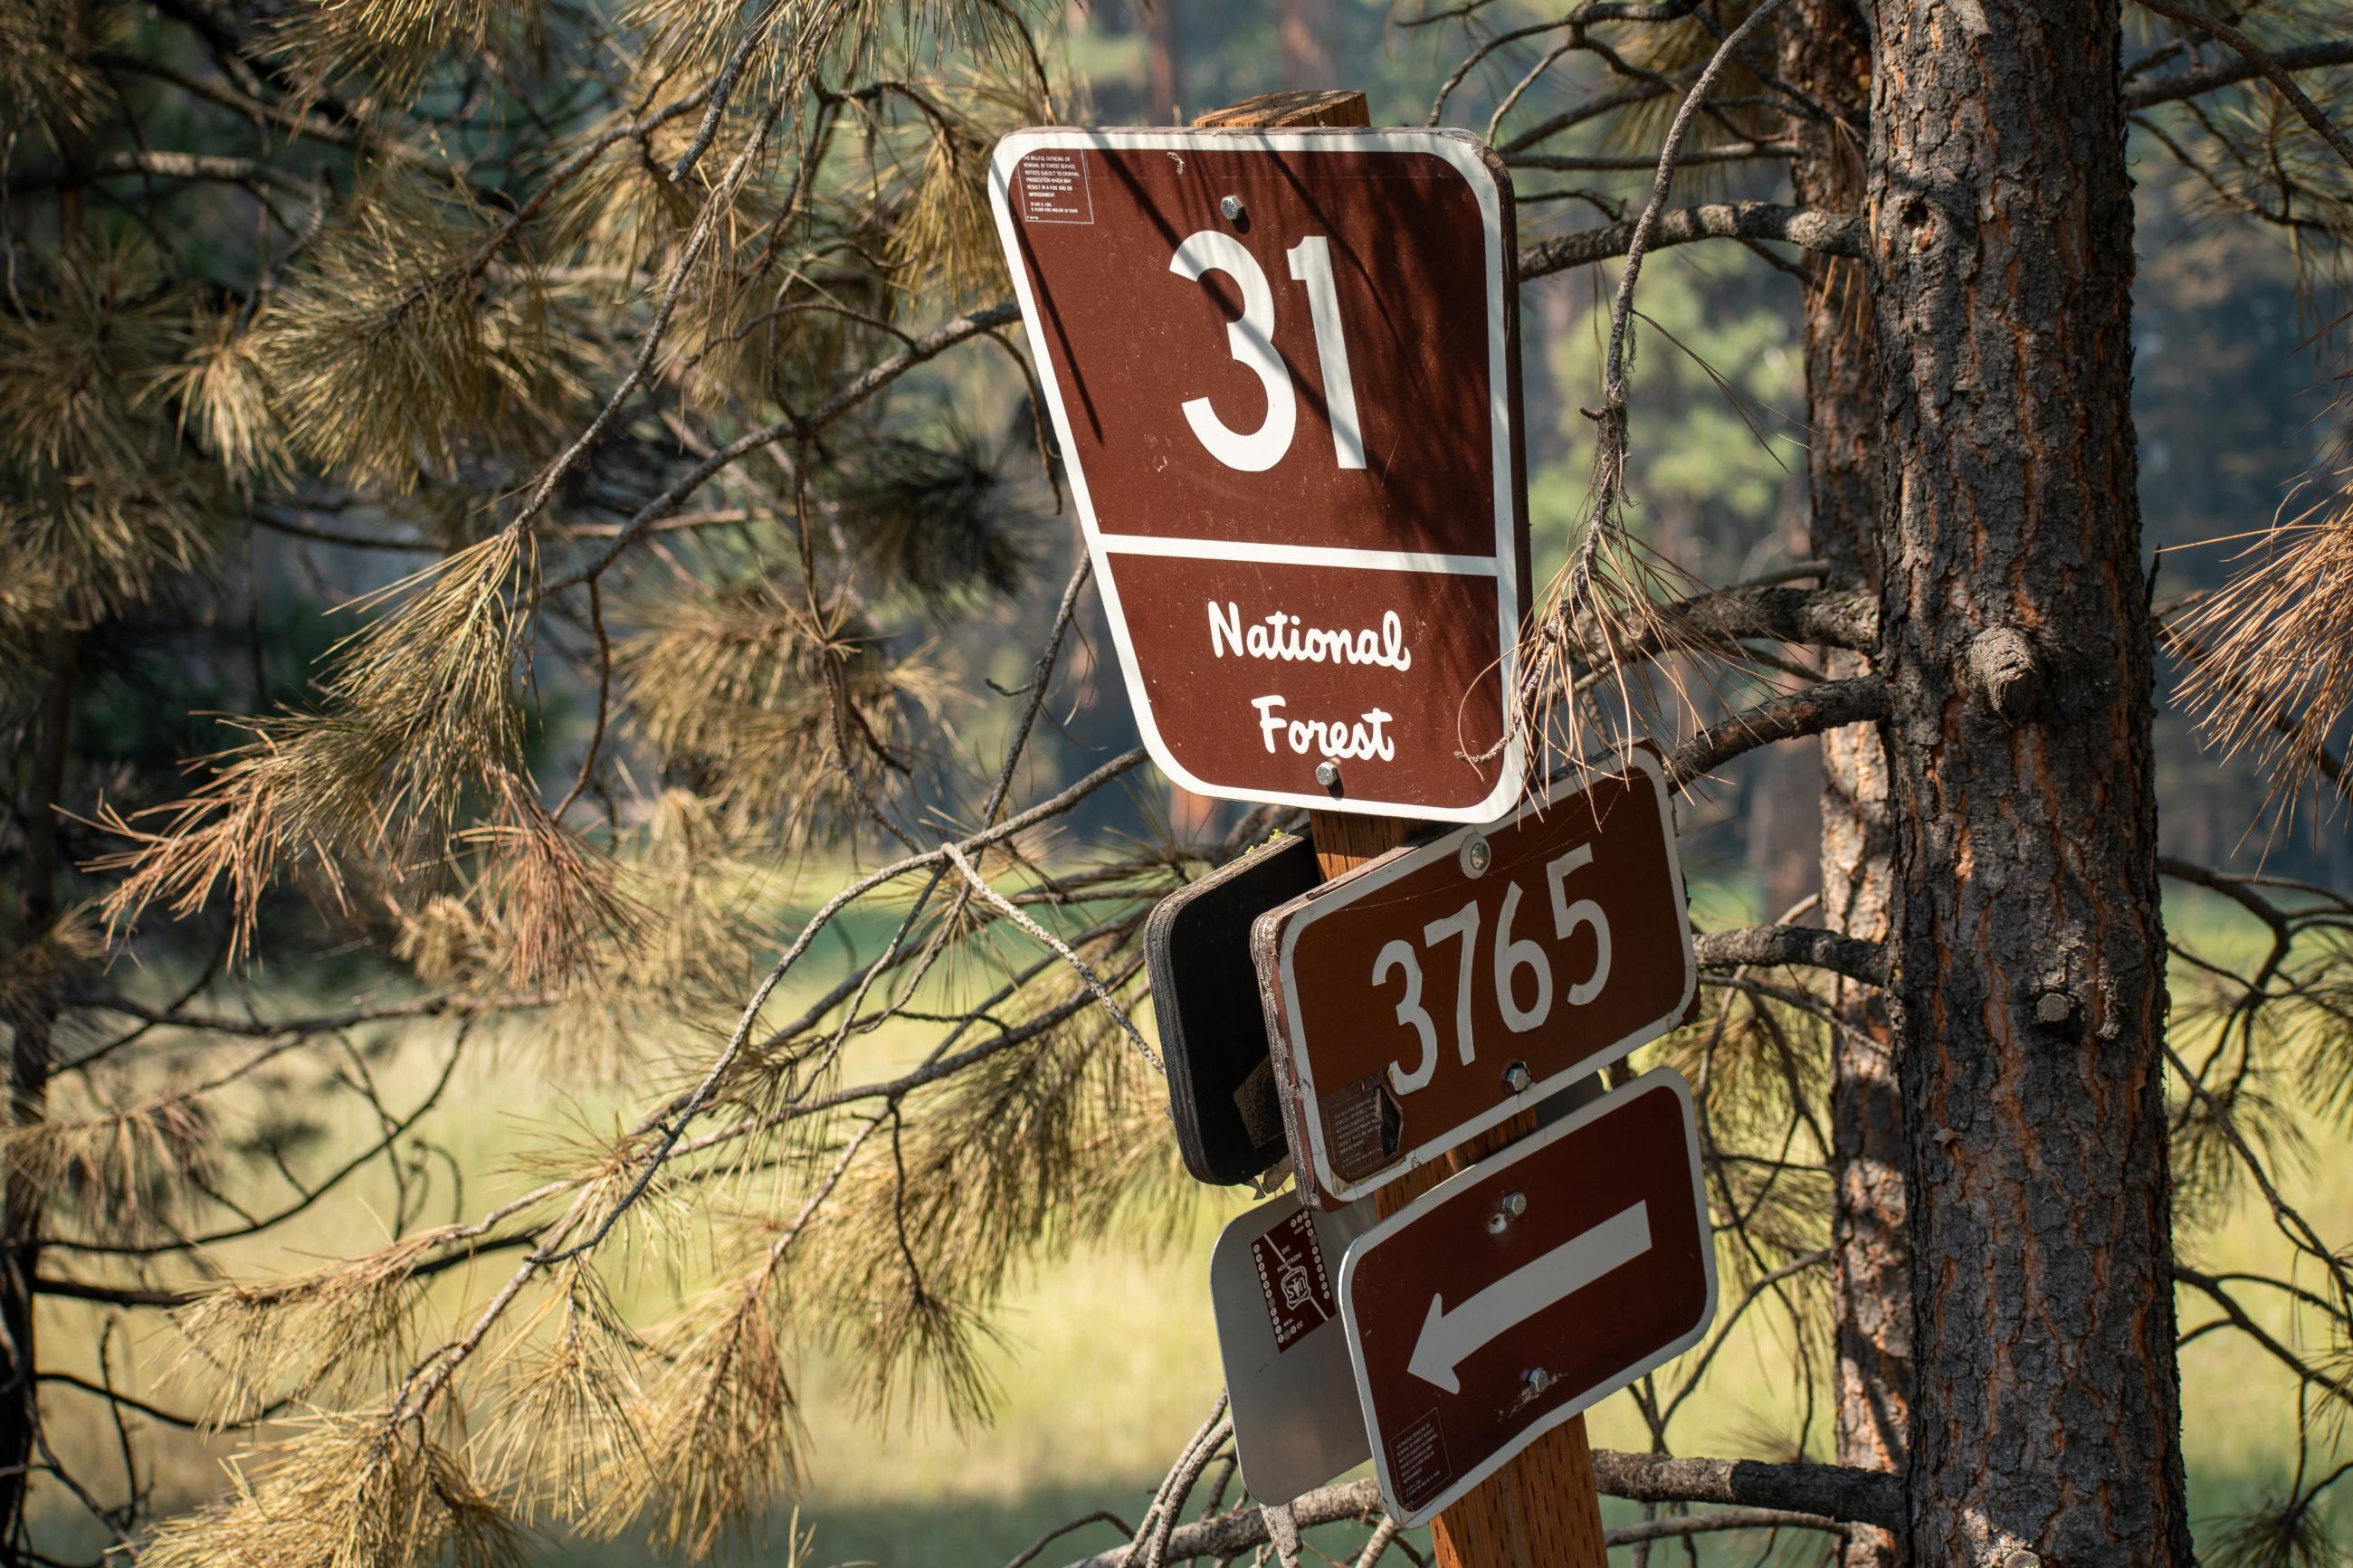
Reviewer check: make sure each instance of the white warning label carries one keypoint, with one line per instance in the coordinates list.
(1417, 1462)
(1053, 188)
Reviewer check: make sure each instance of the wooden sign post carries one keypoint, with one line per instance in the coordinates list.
(1542, 1509)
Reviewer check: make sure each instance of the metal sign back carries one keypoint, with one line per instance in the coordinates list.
(1282, 368)
(1274, 1285)
(1521, 1291)
(1434, 993)
(1212, 1028)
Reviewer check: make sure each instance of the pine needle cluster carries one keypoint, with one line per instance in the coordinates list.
(46, 78)
(335, 1333)
(421, 709)
(392, 45)
(347, 1491)
(125, 1176)
(98, 512)
(396, 354)
(780, 712)
(2273, 674)
(719, 1422)
(1033, 1150)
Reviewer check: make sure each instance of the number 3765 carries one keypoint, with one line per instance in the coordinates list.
(1511, 956)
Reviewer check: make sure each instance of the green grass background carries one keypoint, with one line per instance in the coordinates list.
(1108, 1362)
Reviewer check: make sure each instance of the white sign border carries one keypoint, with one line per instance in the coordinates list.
(1371, 879)
(1656, 1077)
(1458, 148)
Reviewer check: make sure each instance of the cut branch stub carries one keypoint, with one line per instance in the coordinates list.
(2003, 665)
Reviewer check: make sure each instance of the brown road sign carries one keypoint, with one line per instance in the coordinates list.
(1433, 992)
(1283, 369)
(1510, 1296)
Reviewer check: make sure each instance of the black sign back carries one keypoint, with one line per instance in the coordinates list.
(1212, 1028)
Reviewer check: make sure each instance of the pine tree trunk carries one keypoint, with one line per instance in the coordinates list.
(2014, 639)
(1826, 53)
(1302, 38)
(32, 1025)
(1164, 71)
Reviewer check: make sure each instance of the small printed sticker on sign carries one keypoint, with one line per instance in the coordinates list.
(1417, 1460)
(1292, 1276)
(1053, 188)
(1361, 1127)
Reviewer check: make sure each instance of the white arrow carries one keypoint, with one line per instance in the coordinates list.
(1447, 1338)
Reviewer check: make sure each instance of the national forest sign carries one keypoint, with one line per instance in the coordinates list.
(1280, 367)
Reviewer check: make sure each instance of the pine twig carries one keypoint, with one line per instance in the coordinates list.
(2266, 65)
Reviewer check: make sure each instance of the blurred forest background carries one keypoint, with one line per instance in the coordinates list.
(1107, 1361)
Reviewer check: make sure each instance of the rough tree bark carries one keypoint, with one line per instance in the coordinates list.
(1827, 55)
(31, 1019)
(2029, 970)
(30, 1015)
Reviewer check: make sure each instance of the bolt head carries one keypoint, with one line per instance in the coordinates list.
(1477, 855)
(1516, 1077)
(1327, 771)
(1538, 1381)
(1231, 207)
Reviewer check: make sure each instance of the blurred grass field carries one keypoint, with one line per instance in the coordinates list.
(1108, 1362)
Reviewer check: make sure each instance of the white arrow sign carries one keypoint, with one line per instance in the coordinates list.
(1448, 1338)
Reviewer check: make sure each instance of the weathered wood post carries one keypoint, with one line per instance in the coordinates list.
(1541, 1511)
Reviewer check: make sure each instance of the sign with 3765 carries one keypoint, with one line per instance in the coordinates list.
(1429, 994)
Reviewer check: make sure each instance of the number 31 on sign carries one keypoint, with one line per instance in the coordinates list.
(1282, 369)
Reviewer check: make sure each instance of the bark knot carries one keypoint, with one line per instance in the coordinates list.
(2003, 665)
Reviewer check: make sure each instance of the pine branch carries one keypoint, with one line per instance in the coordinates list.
(864, 386)
(1859, 700)
(1676, 1526)
(2263, 63)
(1830, 233)
(2236, 1315)
(1733, 152)
(1591, 11)
(1723, 619)
(2178, 85)
(1828, 1491)
(1770, 945)
(171, 165)
(1825, 1494)
(354, 139)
